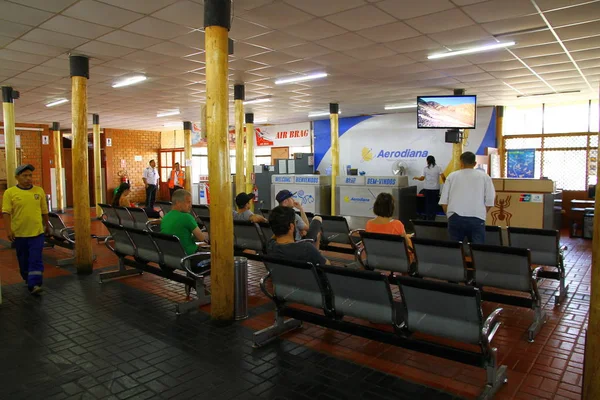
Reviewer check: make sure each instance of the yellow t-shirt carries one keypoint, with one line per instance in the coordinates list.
(25, 207)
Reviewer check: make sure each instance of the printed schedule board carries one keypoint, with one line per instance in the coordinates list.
(520, 163)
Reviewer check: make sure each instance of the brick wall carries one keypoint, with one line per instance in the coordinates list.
(31, 153)
(126, 144)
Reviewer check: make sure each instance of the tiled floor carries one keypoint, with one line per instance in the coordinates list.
(121, 339)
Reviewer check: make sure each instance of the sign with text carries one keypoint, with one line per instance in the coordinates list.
(289, 135)
(17, 141)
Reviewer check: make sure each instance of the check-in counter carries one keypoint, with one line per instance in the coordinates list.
(313, 192)
(524, 203)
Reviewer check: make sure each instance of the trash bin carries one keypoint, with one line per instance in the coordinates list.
(49, 201)
(240, 278)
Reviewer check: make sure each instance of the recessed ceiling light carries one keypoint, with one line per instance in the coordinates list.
(319, 114)
(302, 78)
(399, 106)
(132, 80)
(258, 101)
(168, 113)
(477, 49)
(57, 102)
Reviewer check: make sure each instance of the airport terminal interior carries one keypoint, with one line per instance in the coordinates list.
(340, 109)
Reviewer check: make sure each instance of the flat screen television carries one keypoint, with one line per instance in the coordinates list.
(446, 112)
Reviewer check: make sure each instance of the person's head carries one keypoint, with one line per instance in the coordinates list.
(152, 163)
(242, 200)
(384, 205)
(24, 175)
(177, 166)
(182, 200)
(285, 198)
(283, 221)
(430, 161)
(467, 160)
(122, 191)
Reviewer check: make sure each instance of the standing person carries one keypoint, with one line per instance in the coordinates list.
(285, 199)
(431, 187)
(26, 219)
(466, 199)
(177, 179)
(151, 179)
(179, 222)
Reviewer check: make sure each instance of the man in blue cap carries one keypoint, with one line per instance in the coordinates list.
(26, 219)
(285, 198)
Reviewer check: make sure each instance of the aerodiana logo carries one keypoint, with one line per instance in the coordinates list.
(368, 154)
(349, 199)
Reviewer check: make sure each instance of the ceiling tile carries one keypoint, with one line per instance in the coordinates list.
(100, 49)
(247, 64)
(272, 58)
(12, 29)
(501, 66)
(546, 5)
(156, 28)
(36, 48)
(538, 51)
(20, 57)
(53, 38)
(529, 39)
(321, 8)
(148, 57)
(194, 40)
(241, 5)
(462, 35)
(48, 5)
(405, 9)
(414, 44)
(314, 29)
(389, 32)
(141, 6)
(183, 13)
(442, 21)
(343, 42)
(93, 11)
(586, 55)
(302, 66)
(579, 31)
(361, 18)
(514, 25)
(583, 44)
(489, 57)
(307, 50)
(241, 29)
(24, 15)
(275, 40)
(171, 49)
(75, 27)
(392, 61)
(276, 15)
(547, 60)
(128, 39)
(371, 52)
(4, 40)
(333, 59)
(573, 15)
(244, 50)
(475, 77)
(495, 10)
(467, 2)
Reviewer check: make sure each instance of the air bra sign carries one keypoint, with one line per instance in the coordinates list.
(289, 135)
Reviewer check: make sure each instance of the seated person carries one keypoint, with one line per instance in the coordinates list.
(383, 222)
(181, 223)
(284, 246)
(121, 200)
(243, 213)
(285, 199)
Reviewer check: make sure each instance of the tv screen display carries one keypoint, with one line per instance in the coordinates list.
(446, 112)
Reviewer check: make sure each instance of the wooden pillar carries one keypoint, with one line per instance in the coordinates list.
(250, 155)
(500, 137)
(97, 164)
(81, 185)
(591, 371)
(58, 166)
(187, 150)
(238, 96)
(217, 17)
(10, 143)
(334, 110)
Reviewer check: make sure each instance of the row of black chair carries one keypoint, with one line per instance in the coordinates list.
(448, 311)
(129, 217)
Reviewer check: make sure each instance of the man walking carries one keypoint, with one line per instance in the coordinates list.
(150, 179)
(177, 179)
(466, 199)
(26, 219)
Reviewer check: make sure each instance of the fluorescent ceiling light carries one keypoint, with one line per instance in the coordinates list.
(550, 93)
(168, 113)
(57, 102)
(132, 80)
(302, 78)
(257, 101)
(477, 49)
(173, 124)
(319, 114)
(260, 120)
(399, 106)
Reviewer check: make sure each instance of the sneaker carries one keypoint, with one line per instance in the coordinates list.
(36, 290)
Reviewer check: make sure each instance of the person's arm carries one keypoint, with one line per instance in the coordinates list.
(444, 197)
(255, 219)
(199, 235)
(7, 226)
(489, 194)
(123, 202)
(46, 221)
(419, 178)
(443, 177)
(302, 214)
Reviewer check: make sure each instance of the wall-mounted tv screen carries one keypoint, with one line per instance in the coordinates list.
(446, 112)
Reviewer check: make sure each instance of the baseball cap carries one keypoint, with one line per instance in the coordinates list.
(21, 168)
(284, 195)
(243, 198)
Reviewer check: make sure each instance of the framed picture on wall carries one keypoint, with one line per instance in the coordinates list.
(520, 163)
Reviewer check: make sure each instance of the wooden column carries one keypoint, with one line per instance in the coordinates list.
(591, 371)
(250, 155)
(217, 16)
(334, 110)
(97, 164)
(187, 150)
(10, 143)
(58, 166)
(499, 136)
(81, 186)
(238, 96)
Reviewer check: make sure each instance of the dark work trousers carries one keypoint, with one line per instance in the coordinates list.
(173, 191)
(432, 197)
(470, 227)
(150, 196)
(29, 254)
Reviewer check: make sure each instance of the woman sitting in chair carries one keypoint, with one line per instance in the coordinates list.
(384, 222)
(121, 200)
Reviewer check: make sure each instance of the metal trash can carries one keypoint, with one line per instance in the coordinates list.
(240, 279)
(49, 201)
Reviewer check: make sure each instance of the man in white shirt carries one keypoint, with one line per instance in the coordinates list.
(466, 199)
(150, 179)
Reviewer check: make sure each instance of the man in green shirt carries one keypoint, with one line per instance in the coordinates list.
(181, 223)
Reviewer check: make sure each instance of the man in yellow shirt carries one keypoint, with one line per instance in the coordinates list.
(26, 219)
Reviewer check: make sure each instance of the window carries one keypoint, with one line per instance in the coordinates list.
(523, 120)
(561, 118)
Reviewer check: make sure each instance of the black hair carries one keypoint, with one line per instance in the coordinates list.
(430, 161)
(150, 162)
(122, 188)
(468, 158)
(280, 219)
(384, 205)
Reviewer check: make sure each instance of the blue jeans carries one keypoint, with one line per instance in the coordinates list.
(470, 227)
(29, 254)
